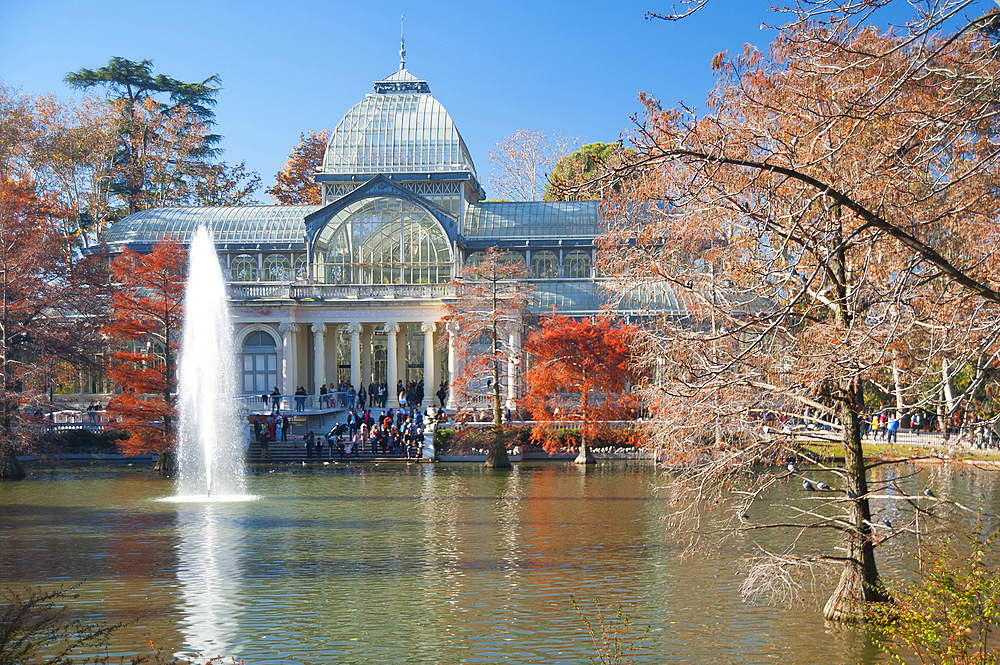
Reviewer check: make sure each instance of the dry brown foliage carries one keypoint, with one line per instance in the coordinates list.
(827, 224)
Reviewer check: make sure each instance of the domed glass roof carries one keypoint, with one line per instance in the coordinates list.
(400, 128)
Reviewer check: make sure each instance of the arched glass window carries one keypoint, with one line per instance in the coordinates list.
(383, 240)
(319, 266)
(260, 363)
(544, 265)
(243, 268)
(576, 264)
(474, 258)
(276, 268)
(301, 267)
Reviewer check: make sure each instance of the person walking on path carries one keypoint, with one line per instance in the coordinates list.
(891, 430)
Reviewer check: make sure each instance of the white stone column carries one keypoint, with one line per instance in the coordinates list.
(289, 347)
(453, 360)
(401, 355)
(513, 361)
(366, 355)
(391, 362)
(355, 329)
(332, 355)
(319, 355)
(430, 380)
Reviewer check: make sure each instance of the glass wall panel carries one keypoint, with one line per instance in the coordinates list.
(383, 240)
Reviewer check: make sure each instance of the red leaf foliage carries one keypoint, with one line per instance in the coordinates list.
(144, 328)
(581, 371)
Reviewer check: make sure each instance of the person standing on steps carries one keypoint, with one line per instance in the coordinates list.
(265, 446)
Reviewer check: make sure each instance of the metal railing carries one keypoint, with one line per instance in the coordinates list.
(292, 404)
(339, 291)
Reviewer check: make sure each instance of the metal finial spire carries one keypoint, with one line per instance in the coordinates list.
(402, 45)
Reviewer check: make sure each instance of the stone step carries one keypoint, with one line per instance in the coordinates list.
(288, 451)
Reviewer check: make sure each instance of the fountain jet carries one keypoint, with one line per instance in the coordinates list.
(210, 442)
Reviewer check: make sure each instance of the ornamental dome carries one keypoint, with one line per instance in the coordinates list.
(399, 128)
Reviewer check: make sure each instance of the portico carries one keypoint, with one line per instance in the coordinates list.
(356, 352)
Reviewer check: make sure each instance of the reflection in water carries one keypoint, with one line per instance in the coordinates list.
(209, 551)
(419, 564)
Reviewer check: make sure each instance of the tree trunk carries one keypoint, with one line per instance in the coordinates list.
(585, 456)
(166, 463)
(497, 457)
(897, 389)
(949, 396)
(859, 581)
(945, 416)
(10, 468)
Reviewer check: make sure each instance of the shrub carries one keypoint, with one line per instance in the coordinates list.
(82, 440)
(615, 640)
(443, 439)
(951, 616)
(36, 628)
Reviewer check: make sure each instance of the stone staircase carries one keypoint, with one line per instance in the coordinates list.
(293, 450)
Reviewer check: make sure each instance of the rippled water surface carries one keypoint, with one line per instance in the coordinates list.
(401, 564)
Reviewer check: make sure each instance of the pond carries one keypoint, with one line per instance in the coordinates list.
(445, 563)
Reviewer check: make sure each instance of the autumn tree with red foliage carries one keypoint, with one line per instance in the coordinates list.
(144, 329)
(295, 184)
(581, 371)
(48, 303)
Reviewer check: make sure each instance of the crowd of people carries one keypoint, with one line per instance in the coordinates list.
(968, 427)
(394, 432)
(965, 427)
(390, 432)
(273, 427)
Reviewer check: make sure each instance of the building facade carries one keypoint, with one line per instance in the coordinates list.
(354, 290)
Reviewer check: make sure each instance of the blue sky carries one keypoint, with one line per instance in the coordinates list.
(574, 68)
